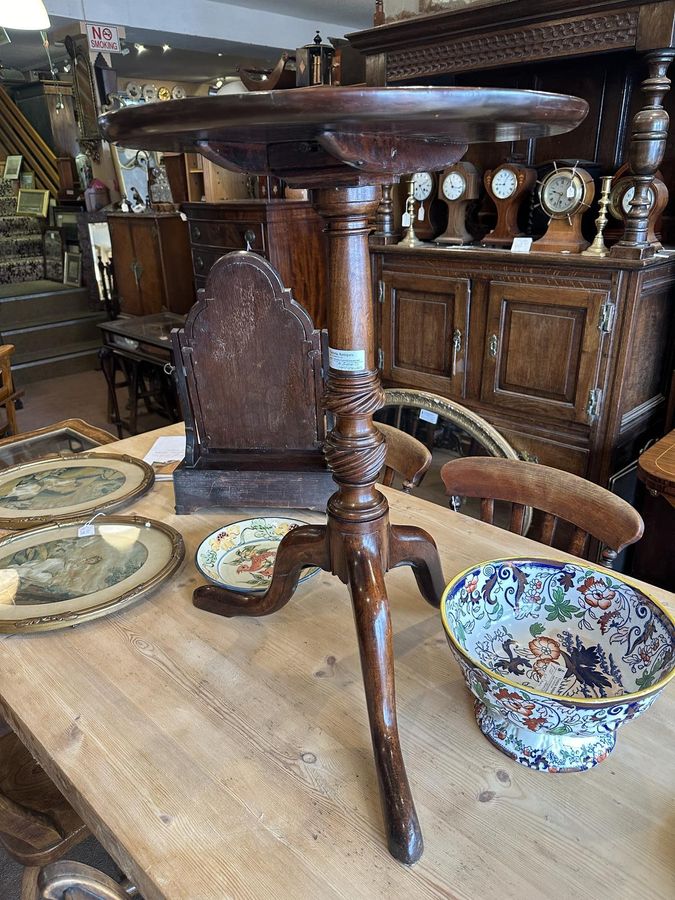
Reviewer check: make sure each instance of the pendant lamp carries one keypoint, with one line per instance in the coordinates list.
(27, 15)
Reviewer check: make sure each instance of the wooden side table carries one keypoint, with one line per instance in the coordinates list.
(652, 556)
(345, 142)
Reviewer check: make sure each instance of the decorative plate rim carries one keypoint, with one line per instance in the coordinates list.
(21, 523)
(54, 621)
(312, 570)
(566, 701)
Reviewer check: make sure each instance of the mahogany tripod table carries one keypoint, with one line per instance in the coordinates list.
(344, 142)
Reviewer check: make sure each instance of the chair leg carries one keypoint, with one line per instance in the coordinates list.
(29, 883)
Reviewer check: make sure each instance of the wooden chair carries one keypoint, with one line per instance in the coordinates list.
(67, 880)
(593, 510)
(8, 396)
(37, 824)
(406, 457)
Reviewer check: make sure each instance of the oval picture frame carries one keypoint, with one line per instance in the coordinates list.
(56, 577)
(64, 486)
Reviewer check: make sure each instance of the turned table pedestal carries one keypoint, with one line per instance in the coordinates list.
(344, 143)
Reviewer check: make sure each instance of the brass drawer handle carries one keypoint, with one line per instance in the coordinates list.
(199, 263)
(493, 344)
(249, 237)
(196, 233)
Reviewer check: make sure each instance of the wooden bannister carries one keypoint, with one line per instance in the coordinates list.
(19, 138)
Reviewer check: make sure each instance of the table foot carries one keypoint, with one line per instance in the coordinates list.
(414, 547)
(373, 627)
(304, 546)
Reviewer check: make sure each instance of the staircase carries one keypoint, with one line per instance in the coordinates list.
(21, 249)
(52, 328)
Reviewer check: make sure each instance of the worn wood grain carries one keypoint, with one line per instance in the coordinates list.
(231, 757)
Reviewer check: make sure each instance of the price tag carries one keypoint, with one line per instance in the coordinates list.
(421, 213)
(427, 416)
(183, 217)
(347, 360)
(521, 245)
(405, 220)
(87, 530)
(570, 191)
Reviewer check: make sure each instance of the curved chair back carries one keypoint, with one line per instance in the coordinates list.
(593, 510)
(406, 457)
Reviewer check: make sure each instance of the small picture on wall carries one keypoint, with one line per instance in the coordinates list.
(27, 181)
(32, 203)
(72, 269)
(12, 168)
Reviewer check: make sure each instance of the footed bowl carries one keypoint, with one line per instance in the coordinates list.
(557, 655)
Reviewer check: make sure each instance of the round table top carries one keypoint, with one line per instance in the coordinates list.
(369, 128)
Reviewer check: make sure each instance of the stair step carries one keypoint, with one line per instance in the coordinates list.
(21, 268)
(46, 339)
(20, 245)
(37, 302)
(7, 206)
(10, 225)
(82, 359)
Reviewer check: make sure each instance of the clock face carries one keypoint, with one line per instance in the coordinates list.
(423, 185)
(628, 196)
(504, 183)
(454, 185)
(561, 193)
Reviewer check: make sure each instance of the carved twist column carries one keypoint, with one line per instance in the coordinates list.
(648, 144)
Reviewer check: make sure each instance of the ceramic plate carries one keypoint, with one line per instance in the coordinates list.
(54, 576)
(67, 486)
(240, 556)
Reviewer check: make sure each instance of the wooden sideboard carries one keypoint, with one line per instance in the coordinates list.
(289, 233)
(151, 261)
(569, 359)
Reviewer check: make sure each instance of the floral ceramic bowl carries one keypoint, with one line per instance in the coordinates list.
(557, 655)
(241, 556)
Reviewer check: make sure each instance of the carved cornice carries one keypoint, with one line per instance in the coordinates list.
(569, 37)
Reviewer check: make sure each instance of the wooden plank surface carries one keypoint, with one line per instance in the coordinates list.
(220, 758)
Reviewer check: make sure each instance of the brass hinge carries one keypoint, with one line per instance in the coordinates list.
(607, 311)
(593, 404)
(380, 358)
(380, 291)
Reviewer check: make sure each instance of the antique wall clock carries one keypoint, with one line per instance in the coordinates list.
(565, 194)
(429, 220)
(623, 191)
(459, 185)
(507, 185)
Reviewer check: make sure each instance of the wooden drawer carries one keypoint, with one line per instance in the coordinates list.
(548, 453)
(203, 259)
(229, 235)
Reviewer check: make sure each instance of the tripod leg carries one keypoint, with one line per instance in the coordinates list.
(304, 546)
(411, 546)
(373, 627)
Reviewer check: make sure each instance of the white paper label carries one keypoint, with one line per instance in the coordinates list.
(405, 220)
(87, 530)
(420, 214)
(428, 416)
(347, 360)
(521, 245)
(183, 217)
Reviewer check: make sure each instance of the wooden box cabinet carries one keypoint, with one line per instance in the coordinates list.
(289, 233)
(569, 360)
(152, 263)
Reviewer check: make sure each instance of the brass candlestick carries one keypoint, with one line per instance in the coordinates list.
(409, 238)
(598, 247)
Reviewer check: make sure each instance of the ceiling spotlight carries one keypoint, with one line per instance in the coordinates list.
(165, 47)
(66, 67)
(220, 54)
(140, 48)
(29, 15)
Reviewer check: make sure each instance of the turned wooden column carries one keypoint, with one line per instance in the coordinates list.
(647, 146)
(386, 231)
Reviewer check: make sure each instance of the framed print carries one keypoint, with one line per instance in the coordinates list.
(32, 203)
(56, 576)
(12, 168)
(72, 269)
(27, 180)
(62, 487)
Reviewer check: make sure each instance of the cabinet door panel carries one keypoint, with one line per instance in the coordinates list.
(424, 332)
(543, 348)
